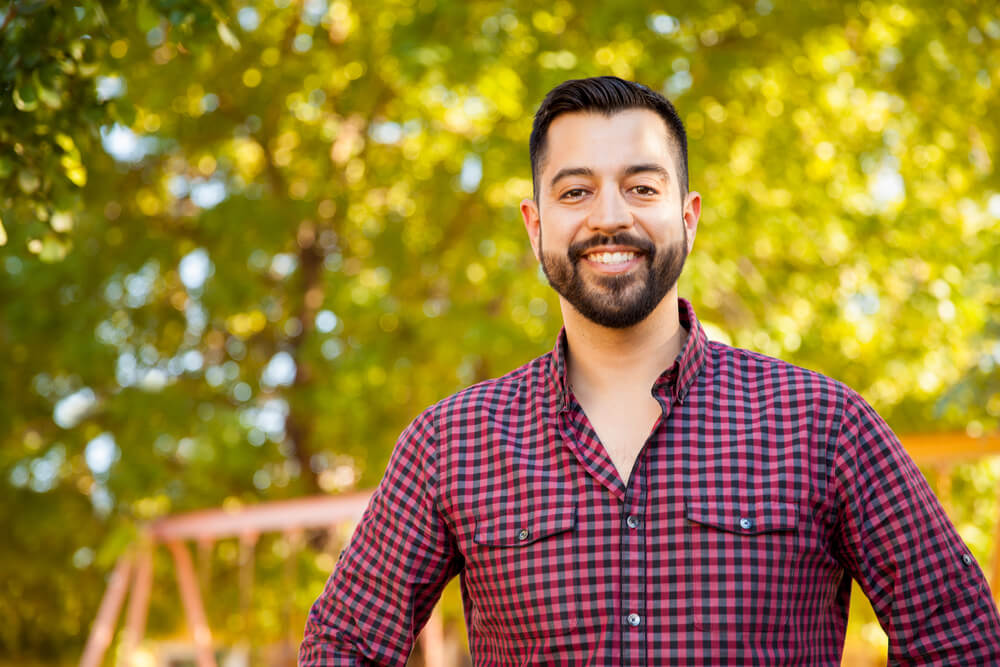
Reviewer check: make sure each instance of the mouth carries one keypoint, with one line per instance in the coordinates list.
(612, 260)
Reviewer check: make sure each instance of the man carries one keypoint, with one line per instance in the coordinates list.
(641, 495)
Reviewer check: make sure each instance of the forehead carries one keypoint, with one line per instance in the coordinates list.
(608, 143)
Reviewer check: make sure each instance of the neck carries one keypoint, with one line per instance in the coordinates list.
(602, 359)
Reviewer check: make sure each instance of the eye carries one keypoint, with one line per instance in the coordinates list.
(644, 190)
(573, 193)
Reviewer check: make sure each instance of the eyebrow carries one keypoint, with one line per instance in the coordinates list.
(570, 171)
(648, 168)
(631, 170)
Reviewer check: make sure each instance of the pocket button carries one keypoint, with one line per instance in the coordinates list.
(523, 535)
(746, 524)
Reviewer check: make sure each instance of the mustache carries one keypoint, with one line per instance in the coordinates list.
(578, 249)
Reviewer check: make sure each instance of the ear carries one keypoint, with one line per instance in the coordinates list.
(532, 223)
(692, 211)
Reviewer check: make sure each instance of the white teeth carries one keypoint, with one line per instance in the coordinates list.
(611, 257)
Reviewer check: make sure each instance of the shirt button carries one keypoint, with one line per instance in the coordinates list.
(746, 524)
(967, 559)
(523, 535)
(632, 521)
(634, 619)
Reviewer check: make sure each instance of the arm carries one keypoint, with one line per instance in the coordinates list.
(389, 577)
(894, 538)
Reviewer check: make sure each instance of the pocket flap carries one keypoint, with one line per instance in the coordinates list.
(743, 518)
(518, 528)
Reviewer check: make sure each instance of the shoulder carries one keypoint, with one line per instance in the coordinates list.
(735, 370)
(434, 434)
(780, 382)
(490, 396)
(748, 365)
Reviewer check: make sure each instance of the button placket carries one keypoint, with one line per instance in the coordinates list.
(633, 569)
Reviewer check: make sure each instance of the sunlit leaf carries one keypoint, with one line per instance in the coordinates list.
(26, 97)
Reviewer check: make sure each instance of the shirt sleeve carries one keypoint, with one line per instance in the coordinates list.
(894, 538)
(391, 574)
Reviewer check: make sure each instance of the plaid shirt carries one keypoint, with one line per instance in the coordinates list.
(761, 492)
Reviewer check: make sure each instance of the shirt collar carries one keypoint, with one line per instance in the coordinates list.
(679, 376)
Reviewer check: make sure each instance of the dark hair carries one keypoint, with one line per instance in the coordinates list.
(607, 95)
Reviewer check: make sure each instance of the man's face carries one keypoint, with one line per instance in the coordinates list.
(610, 227)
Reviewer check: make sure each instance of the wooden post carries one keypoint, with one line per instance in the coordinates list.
(248, 544)
(294, 538)
(205, 545)
(193, 608)
(138, 604)
(107, 614)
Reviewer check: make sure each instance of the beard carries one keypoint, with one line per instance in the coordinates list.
(615, 301)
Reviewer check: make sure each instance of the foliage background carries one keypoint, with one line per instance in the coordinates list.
(244, 243)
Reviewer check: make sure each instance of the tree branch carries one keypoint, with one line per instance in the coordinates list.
(11, 13)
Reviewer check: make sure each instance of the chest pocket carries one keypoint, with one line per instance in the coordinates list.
(521, 529)
(522, 571)
(743, 556)
(744, 518)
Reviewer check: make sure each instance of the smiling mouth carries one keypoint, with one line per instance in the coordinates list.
(613, 262)
(612, 257)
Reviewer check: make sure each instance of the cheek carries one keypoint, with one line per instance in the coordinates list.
(558, 229)
(668, 228)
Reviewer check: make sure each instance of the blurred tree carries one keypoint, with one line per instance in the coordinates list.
(247, 242)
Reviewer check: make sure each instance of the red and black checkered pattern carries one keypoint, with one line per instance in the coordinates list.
(761, 492)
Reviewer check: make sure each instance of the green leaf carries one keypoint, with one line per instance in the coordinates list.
(29, 7)
(227, 36)
(54, 249)
(48, 89)
(28, 181)
(26, 97)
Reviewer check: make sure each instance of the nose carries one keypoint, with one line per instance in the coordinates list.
(611, 212)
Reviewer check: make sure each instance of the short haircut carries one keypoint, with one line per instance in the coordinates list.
(606, 95)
